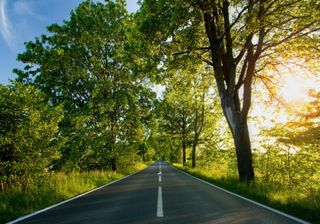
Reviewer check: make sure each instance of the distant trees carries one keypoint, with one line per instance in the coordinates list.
(187, 112)
(176, 112)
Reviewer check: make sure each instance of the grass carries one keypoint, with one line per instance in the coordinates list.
(58, 187)
(291, 200)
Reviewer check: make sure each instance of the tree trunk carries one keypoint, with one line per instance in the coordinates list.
(114, 166)
(194, 147)
(243, 150)
(184, 146)
(239, 127)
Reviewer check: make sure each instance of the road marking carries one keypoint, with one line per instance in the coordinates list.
(246, 199)
(159, 205)
(160, 171)
(159, 178)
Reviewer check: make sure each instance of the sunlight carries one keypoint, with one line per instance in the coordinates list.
(295, 85)
(294, 89)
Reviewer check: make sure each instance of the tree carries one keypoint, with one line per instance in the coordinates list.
(201, 106)
(187, 106)
(90, 65)
(242, 38)
(29, 139)
(175, 119)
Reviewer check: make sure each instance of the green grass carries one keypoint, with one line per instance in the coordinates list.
(292, 200)
(58, 187)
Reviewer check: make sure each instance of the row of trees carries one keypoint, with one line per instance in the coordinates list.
(240, 41)
(84, 99)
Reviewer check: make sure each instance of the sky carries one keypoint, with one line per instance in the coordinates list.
(23, 20)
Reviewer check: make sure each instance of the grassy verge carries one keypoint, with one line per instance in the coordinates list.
(58, 187)
(292, 201)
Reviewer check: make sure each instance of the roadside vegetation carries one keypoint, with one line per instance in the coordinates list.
(295, 200)
(55, 188)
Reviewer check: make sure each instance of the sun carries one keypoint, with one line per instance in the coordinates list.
(295, 84)
(294, 89)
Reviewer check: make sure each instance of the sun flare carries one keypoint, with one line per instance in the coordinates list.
(293, 92)
(294, 89)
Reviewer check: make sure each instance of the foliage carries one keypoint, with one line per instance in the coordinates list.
(90, 65)
(29, 140)
(293, 156)
(188, 115)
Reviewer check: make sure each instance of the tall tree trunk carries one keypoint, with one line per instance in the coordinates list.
(240, 132)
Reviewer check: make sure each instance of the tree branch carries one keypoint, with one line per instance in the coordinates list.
(292, 35)
(243, 50)
(242, 73)
(205, 49)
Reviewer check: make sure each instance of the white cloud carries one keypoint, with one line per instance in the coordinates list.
(22, 8)
(5, 27)
(25, 8)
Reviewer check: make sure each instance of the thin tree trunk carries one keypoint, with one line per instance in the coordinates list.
(114, 166)
(184, 146)
(267, 167)
(194, 147)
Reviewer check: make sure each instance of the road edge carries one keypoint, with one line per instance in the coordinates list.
(244, 198)
(73, 198)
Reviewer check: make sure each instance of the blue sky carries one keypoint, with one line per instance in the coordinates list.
(23, 20)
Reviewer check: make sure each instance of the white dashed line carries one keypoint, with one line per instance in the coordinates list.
(160, 205)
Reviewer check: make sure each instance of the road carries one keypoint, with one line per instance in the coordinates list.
(158, 194)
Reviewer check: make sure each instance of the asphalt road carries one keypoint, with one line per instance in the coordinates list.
(158, 194)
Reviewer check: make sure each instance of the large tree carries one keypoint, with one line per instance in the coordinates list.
(89, 65)
(238, 39)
